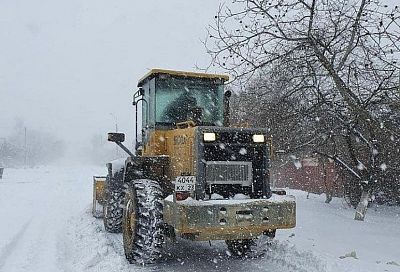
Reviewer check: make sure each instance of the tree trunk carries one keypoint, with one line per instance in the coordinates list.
(328, 189)
(328, 198)
(361, 209)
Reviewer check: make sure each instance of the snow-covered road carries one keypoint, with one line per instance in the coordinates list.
(46, 226)
(36, 205)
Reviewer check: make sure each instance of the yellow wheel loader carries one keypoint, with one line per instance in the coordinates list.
(192, 175)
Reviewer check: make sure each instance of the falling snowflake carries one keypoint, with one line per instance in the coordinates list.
(297, 164)
(360, 166)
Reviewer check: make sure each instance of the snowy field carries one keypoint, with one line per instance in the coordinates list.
(46, 226)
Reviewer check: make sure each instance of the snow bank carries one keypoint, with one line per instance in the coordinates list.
(331, 233)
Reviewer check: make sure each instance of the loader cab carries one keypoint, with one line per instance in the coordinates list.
(173, 97)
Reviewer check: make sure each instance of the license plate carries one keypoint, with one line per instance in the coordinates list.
(185, 183)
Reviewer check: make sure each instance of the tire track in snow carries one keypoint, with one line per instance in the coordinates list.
(85, 246)
(12, 245)
(288, 257)
(93, 249)
(186, 256)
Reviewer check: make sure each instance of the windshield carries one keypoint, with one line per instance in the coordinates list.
(179, 100)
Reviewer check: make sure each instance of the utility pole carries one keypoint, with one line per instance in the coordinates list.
(116, 147)
(2, 148)
(25, 148)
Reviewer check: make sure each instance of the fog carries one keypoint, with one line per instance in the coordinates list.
(70, 67)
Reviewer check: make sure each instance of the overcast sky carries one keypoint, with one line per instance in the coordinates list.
(71, 66)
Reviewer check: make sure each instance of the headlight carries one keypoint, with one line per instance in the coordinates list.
(209, 136)
(258, 138)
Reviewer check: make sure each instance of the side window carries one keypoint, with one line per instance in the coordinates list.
(144, 113)
(145, 106)
(152, 103)
(148, 106)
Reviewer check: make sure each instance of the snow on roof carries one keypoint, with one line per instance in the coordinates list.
(157, 71)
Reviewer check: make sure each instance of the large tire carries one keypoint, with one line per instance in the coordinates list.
(143, 232)
(113, 204)
(240, 248)
(270, 233)
(112, 211)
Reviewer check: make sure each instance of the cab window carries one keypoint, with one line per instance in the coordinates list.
(178, 99)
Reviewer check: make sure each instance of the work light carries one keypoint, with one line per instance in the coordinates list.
(258, 138)
(209, 137)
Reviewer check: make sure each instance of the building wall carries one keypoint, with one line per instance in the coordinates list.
(307, 175)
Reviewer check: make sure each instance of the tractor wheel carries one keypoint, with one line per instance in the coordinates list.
(239, 247)
(143, 233)
(112, 210)
(270, 233)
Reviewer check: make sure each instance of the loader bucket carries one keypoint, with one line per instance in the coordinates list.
(98, 196)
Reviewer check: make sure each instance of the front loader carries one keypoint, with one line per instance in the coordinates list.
(192, 175)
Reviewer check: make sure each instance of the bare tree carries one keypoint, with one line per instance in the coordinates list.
(339, 58)
(27, 146)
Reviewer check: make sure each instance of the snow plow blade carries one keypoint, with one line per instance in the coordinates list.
(229, 219)
(98, 196)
